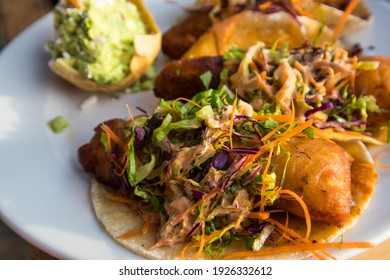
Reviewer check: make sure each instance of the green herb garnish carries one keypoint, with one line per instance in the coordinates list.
(58, 124)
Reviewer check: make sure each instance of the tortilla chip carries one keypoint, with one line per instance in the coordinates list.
(249, 27)
(117, 218)
(147, 47)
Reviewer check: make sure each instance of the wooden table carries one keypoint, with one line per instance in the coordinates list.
(16, 15)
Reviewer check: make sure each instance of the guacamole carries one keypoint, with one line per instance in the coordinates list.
(97, 40)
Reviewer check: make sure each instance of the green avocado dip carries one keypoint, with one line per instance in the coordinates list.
(97, 40)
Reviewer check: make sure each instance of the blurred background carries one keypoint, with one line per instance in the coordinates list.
(15, 16)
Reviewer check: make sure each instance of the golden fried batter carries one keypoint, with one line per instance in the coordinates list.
(179, 38)
(181, 78)
(94, 158)
(320, 173)
(376, 83)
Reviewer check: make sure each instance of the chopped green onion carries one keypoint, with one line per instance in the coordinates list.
(104, 141)
(388, 131)
(206, 78)
(367, 65)
(131, 168)
(58, 124)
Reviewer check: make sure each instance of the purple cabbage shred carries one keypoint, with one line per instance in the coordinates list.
(323, 107)
(220, 161)
(197, 194)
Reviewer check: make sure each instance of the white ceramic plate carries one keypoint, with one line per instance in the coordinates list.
(44, 194)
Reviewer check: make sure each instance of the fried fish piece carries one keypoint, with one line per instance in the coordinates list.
(181, 78)
(320, 173)
(376, 83)
(94, 158)
(180, 37)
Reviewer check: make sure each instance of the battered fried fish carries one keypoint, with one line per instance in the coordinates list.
(320, 173)
(94, 158)
(180, 37)
(376, 83)
(181, 78)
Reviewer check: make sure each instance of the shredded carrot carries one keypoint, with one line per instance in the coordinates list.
(145, 229)
(295, 236)
(183, 252)
(286, 223)
(130, 234)
(300, 11)
(379, 156)
(121, 199)
(264, 75)
(290, 123)
(299, 247)
(208, 239)
(273, 131)
(296, 130)
(278, 118)
(354, 62)
(316, 84)
(330, 256)
(292, 119)
(352, 83)
(196, 204)
(231, 124)
(240, 218)
(258, 215)
(317, 255)
(350, 8)
(302, 70)
(262, 199)
(265, 5)
(124, 167)
(111, 135)
(304, 208)
(288, 230)
(76, 3)
(184, 99)
(262, 83)
(201, 243)
(130, 113)
(341, 84)
(148, 224)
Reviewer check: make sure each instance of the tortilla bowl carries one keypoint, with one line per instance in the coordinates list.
(146, 49)
(118, 218)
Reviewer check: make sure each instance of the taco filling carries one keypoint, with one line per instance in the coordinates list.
(323, 84)
(215, 177)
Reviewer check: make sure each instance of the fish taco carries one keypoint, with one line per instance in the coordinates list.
(212, 178)
(250, 26)
(209, 27)
(264, 241)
